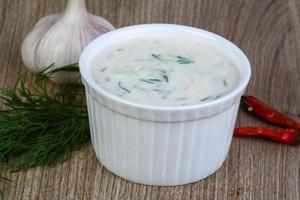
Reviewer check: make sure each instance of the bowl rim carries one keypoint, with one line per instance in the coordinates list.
(86, 57)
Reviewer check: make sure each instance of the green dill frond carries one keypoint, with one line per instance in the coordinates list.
(38, 128)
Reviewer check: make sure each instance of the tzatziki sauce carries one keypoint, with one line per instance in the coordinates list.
(165, 71)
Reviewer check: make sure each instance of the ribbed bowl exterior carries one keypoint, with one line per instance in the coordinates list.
(157, 152)
(156, 145)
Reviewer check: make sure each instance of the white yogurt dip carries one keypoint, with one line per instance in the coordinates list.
(165, 71)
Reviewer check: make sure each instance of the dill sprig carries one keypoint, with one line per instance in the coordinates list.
(41, 128)
(183, 60)
(123, 88)
(158, 57)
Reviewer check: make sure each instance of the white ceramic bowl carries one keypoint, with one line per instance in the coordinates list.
(161, 145)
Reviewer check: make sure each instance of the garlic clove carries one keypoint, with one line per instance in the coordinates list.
(101, 23)
(60, 39)
(50, 19)
(32, 40)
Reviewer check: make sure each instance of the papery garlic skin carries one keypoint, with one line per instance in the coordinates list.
(60, 39)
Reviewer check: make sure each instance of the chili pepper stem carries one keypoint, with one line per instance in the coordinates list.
(247, 106)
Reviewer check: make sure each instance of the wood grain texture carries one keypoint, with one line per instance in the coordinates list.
(269, 33)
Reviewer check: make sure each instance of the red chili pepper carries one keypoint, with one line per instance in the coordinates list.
(262, 110)
(289, 135)
(285, 136)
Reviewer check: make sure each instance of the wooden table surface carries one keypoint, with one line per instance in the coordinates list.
(269, 33)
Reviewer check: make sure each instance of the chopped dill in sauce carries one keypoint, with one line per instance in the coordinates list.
(225, 83)
(183, 60)
(166, 78)
(167, 72)
(157, 56)
(123, 88)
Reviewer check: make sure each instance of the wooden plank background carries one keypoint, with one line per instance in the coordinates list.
(269, 33)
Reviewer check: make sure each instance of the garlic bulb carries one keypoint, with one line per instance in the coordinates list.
(60, 38)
